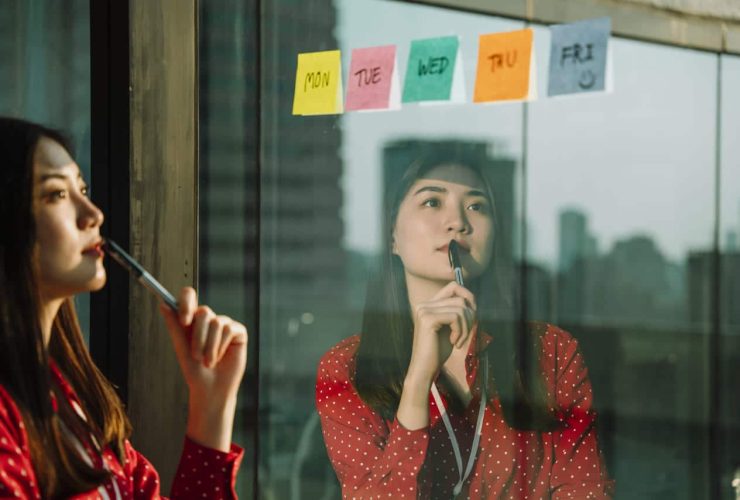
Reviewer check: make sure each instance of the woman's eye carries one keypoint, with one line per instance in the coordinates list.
(85, 191)
(477, 207)
(57, 194)
(431, 202)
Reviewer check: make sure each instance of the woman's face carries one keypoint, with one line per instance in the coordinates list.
(68, 243)
(449, 202)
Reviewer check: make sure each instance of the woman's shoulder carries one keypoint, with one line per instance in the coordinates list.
(11, 421)
(555, 341)
(341, 355)
(335, 373)
(550, 333)
(561, 354)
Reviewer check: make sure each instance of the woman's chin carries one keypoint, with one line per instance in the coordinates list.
(95, 282)
(98, 282)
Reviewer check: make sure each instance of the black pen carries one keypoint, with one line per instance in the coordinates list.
(141, 274)
(455, 262)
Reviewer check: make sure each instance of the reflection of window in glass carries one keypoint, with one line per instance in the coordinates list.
(45, 70)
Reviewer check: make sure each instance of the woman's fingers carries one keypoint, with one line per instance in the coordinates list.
(452, 289)
(454, 316)
(201, 324)
(179, 339)
(233, 334)
(213, 340)
(187, 304)
(213, 335)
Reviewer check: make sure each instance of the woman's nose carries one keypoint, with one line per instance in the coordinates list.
(456, 221)
(89, 214)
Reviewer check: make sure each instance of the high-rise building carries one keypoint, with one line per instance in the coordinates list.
(251, 140)
(574, 239)
(301, 258)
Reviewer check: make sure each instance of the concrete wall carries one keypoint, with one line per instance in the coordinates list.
(727, 10)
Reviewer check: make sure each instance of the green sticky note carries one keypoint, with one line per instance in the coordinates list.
(430, 70)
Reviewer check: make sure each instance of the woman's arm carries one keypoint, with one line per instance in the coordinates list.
(202, 473)
(212, 353)
(440, 325)
(578, 470)
(370, 457)
(17, 476)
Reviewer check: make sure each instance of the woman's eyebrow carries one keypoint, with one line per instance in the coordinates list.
(434, 189)
(58, 175)
(46, 177)
(477, 192)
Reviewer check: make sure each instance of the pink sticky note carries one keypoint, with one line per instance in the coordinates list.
(370, 78)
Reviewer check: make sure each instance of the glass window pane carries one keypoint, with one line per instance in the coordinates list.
(729, 275)
(607, 206)
(621, 214)
(324, 180)
(227, 191)
(45, 70)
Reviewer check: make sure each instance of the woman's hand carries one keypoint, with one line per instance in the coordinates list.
(440, 325)
(212, 353)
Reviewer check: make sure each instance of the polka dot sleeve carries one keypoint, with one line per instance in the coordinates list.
(206, 473)
(578, 470)
(202, 473)
(371, 457)
(17, 477)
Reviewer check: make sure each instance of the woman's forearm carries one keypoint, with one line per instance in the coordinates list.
(210, 423)
(413, 409)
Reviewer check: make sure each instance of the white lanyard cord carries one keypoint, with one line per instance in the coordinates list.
(88, 460)
(451, 432)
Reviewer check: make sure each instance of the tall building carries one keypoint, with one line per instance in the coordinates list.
(295, 160)
(301, 259)
(575, 242)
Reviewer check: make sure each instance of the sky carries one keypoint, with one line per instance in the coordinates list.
(637, 160)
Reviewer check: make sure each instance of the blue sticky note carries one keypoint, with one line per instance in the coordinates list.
(578, 56)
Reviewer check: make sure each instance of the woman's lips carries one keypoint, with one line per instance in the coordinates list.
(460, 246)
(95, 251)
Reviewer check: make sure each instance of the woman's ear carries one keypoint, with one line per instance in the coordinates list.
(394, 247)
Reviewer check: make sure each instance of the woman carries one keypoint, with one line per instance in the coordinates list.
(63, 430)
(509, 415)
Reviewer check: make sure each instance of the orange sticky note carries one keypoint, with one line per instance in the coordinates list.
(318, 84)
(504, 64)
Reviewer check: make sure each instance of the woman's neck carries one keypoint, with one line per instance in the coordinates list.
(421, 290)
(48, 309)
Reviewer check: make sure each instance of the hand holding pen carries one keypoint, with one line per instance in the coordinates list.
(211, 350)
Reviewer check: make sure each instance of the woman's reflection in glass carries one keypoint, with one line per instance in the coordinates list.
(510, 412)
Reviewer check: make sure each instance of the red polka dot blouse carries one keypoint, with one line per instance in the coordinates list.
(377, 458)
(202, 472)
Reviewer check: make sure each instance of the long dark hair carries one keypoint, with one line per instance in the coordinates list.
(384, 353)
(24, 361)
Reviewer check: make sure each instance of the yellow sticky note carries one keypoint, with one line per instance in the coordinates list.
(504, 66)
(318, 84)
